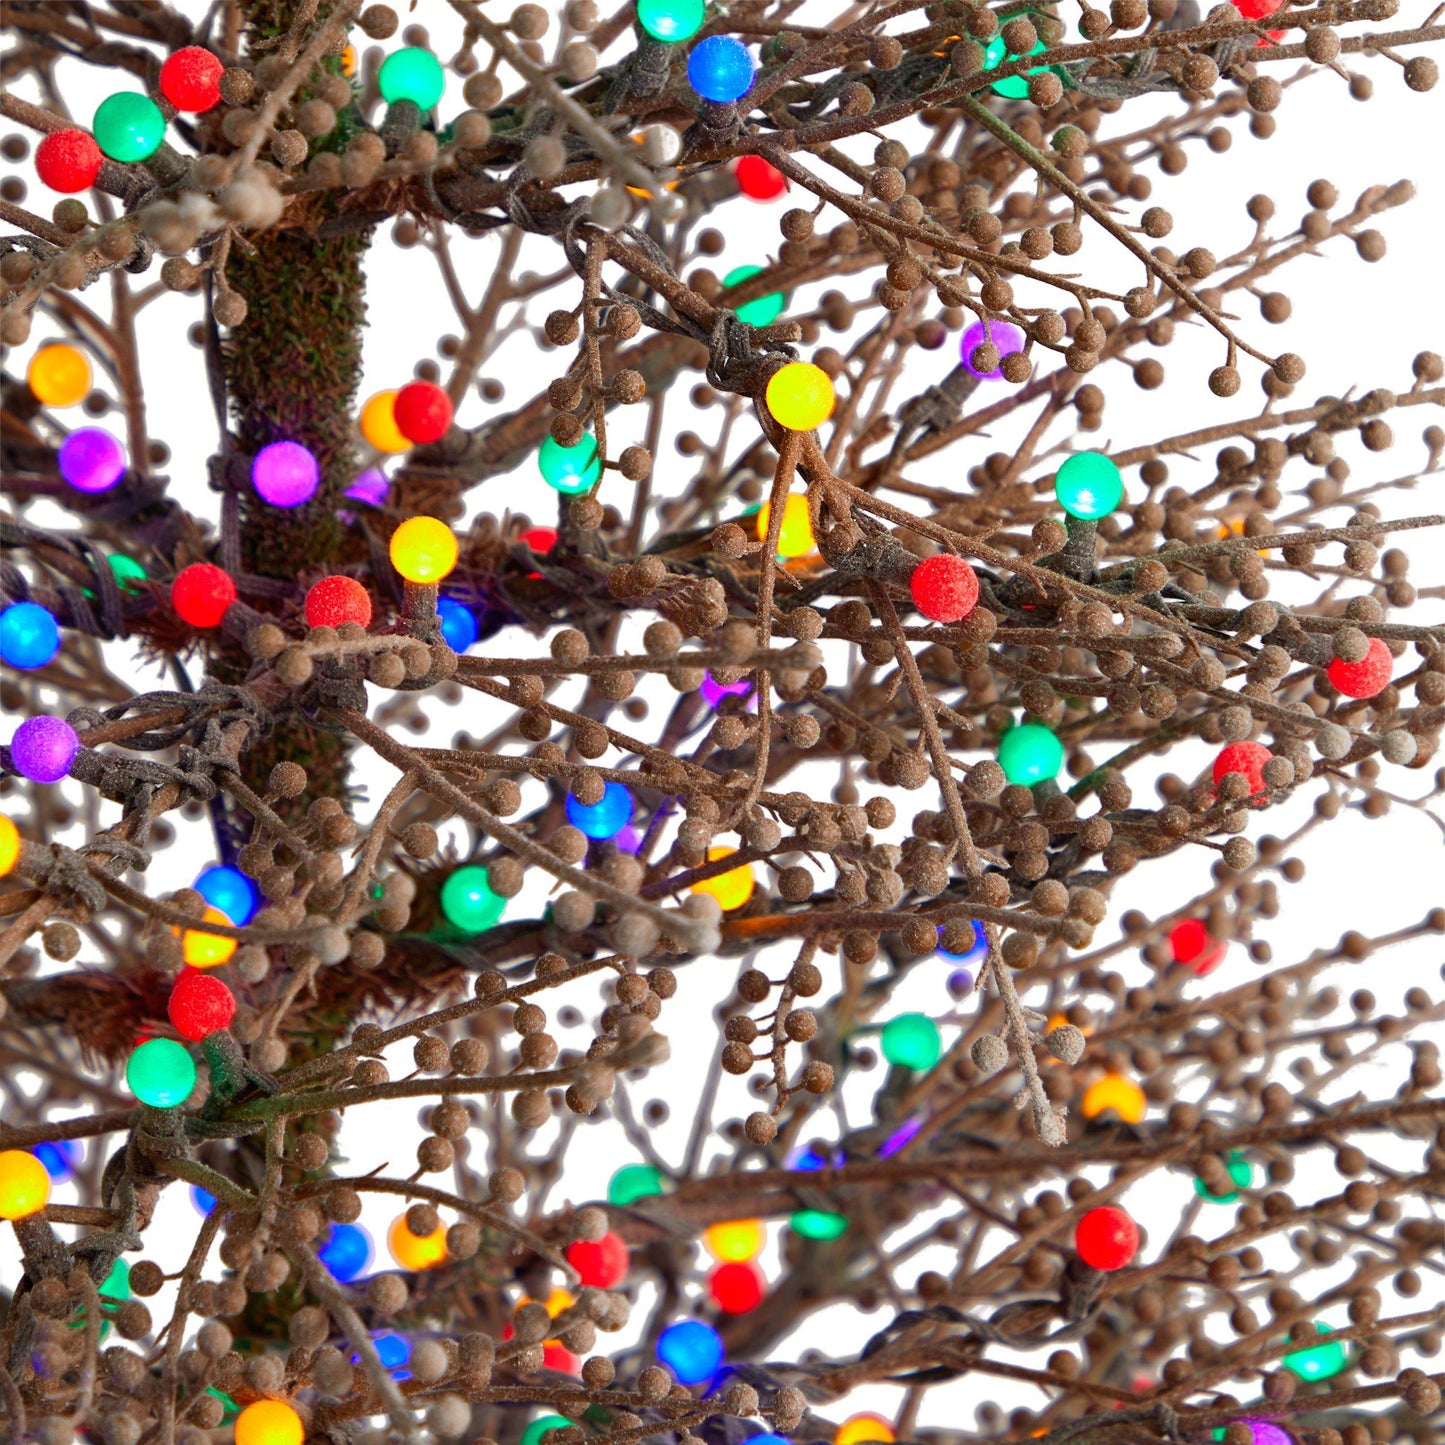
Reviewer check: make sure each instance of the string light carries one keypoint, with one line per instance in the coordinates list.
(24, 1184)
(759, 180)
(285, 474)
(737, 1287)
(1366, 678)
(605, 818)
(911, 1041)
(944, 588)
(43, 749)
(1005, 337)
(1241, 1175)
(161, 1073)
(269, 1422)
(1115, 1092)
(200, 1004)
(692, 1350)
(91, 460)
(600, 1263)
(733, 1240)
(412, 74)
(191, 79)
(59, 1158)
(795, 534)
(671, 20)
(570, 470)
(731, 889)
(347, 1252)
(633, 1182)
(68, 161)
(720, 69)
(1106, 1238)
(207, 950)
(1089, 486)
(129, 126)
(10, 844)
(799, 396)
(29, 637)
(761, 310)
(1317, 1362)
(336, 600)
(864, 1429)
(1030, 753)
(423, 550)
(59, 375)
(821, 1225)
(468, 901)
(416, 1252)
(1192, 945)
(378, 424)
(423, 412)
(201, 593)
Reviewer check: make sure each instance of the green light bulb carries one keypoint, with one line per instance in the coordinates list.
(761, 310)
(1241, 1171)
(570, 470)
(468, 901)
(161, 1073)
(1029, 754)
(1015, 87)
(412, 74)
(126, 571)
(532, 1435)
(1318, 1362)
(911, 1041)
(671, 20)
(633, 1182)
(129, 126)
(819, 1224)
(115, 1286)
(1089, 486)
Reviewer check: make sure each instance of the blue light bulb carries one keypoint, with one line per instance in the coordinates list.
(605, 819)
(692, 1350)
(976, 953)
(720, 68)
(231, 891)
(29, 637)
(347, 1252)
(59, 1159)
(204, 1202)
(458, 625)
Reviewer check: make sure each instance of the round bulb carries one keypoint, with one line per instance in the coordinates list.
(737, 1287)
(423, 412)
(734, 1240)
(1191, 944)
(1368, 676)
(944, 588)
(347, 1252)
(204, 1203)
(761, 310)
(1004, 335)
(468, 901)
(1106, 1238)
(29, 637)
(800, 396)
(199, 1005)
(59, 1159)
(68, 161)
(1241, 1175)
(9, 846)
(538, 1429)
(759, 180)
(269, 1422)
(24, 1184)
(378, 424)
(91, 460)
(570, 470)
(633, 1182)
(161, 1073)
(795, 535)
(1089, 486)
(1317, 1362)
(285, 474)
(129, 126)
(1014, 87)
(671, 20)
(976, 952)
(207, 950)
(604, 819)
(692, 1350)
(1030, 753)
(1115, 1092)
(600, 1263)
(412, 74)
(337, 599)
(720, 69)
(911, 1041)
(864, 1430)
(191, 79)
(59, 375)
(423, 550)
(731, 889)
(818, 1224)
(540, 539)
(714, 691)
(201, 594)
(43, 749)
(1245, 758)
(458, 624)
(370, 487)
(416, 1251)
(126, 571)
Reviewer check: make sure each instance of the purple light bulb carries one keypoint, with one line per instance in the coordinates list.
(714, 691)
(285, 474)
(1266, 1432)
(900, 1136)
(1004, 335)
(960, 983)
(629, 840)
(370, 487)
(91, 460)
(43, 749)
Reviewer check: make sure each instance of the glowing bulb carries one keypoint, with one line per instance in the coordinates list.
(378, 423)
(1014, 87)
(603, 819)
(126, 571)
(1245, 758)
(423, 412)
(457, 622)
(976, 952)
(759, 180)
(818, 1224)
(1367, 677)
(633, 1182)
(231, 891)
(1317, 1362)
(59, 375)
(570, 470)
(800, 396)
(1191, 944)
(864, 1430)
(191, 79)
(1030, 753)
(285, 474)
(129, 126)
(1106, 1238)
(671, 20)
(200, 1004)
(347, 1252)
(29, 637)
(731, 889)
(600, 1263)
(1089, 486)
(720, 69)
(468, 901)
(734, 1240)
(269, 1422)
(337, 599)
(944, 588)
(412, 74)
(537, 1429)
(161, 1073)
(9, 846)
(761, 310)
(201, 594)
(1115, 1092)
(423, 549)
(68, 161)
(91, 460)
(24, 1184)
(1241, 1175)
(1005, 336)
(415, 1251)
(737, 1286)
(370, 487)
(207, 950)
(911, 1041)
(59, 1158)
(692, 1350)
(795, 536)
(43, 749)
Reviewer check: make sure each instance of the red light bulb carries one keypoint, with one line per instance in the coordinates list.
(201, 594)
(601, 1263)
(558, 1357)
(68, 161)
(1246, 758)
(200, 1004)
(737, 1287)
(1366, 677)
(423, 411)
(1106, 1238)
(1191, 944)
(191, 79)
(760, 180)
(337, 599)
(944, 587)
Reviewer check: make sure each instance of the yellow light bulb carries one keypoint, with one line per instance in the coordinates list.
(59, 375)
(378, 423)
(207, 950)
(423, 549)
(269, 1422)
(1115, 1092)
(415, 1251)
(734, 1241)
(795, 535)
(9, 845)
(731, 889)
(24, 1184)
(859, 1429)
(800, 396)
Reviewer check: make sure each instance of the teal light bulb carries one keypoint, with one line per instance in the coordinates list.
(1029, 754)
(1318, 1362)
(912, 1041)
(570, 470)
(819, 1224)
(761, 310)
(633, 1182)
(129, 126)
(161, 1073)
(1089, 486)
(468, 900)
(532, 1435)
(412, 74)
(1013, 87)
(671, 20)
(1240, 1170)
